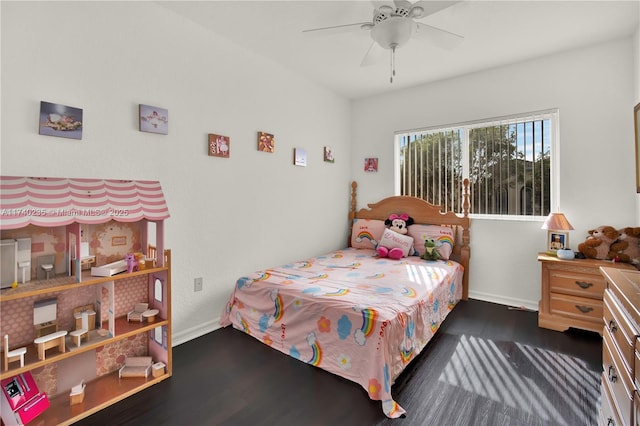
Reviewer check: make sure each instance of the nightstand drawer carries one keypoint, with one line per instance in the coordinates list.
(576, 307)
(577, 284)
(620, 329)
(616, 377)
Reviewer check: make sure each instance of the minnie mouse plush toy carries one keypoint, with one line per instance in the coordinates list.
(395, 244)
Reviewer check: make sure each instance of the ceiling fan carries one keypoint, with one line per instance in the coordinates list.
(394, 25)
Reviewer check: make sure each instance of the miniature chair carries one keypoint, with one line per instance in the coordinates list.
(14, 355)
(83, 331)
(138, 310)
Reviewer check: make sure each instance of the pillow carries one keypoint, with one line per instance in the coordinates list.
(391, 239)
(442, 234)
(365, 233)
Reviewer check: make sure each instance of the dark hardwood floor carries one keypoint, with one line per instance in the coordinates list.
(487, 365)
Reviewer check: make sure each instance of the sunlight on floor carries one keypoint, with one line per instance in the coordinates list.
(510, 375)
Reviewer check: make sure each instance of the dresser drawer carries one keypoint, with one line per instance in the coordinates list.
(621, 330)
(576, 307)
(636, 367)
(577, 284)
(616, 377)
(636, 408)
(608, 414)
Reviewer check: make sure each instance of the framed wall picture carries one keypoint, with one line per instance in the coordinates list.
(299, 157)
(371, 164)
(557, 240)
(60, 120)
(636, 121)
(266, 142)
(219, 145)
(153, 119)
(120, 240)
(328, 154)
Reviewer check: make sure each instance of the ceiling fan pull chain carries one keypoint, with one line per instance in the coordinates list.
(393, 63)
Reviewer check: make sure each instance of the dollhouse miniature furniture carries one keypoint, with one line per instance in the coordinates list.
(109, 269)
(136, 366)
(24, 266)
(14, 355)
(82, 332)
(45, 266)
(157, 369)
(150, 314)
(138, 310)
(49, 341)
(76, 396)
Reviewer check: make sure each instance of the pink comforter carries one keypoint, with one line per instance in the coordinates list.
(349, 312)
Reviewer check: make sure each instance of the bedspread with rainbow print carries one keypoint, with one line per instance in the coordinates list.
(349, 312)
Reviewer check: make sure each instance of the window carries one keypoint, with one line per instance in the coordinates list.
(507, 161)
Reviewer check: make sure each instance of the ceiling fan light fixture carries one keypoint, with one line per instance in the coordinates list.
(393, 32)
(416, 12)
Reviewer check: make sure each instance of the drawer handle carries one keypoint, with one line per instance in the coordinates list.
(613, 327)
(610, 422)
(584, 309)
(613, 377)
(584, 285)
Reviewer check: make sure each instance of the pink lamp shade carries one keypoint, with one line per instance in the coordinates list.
(557, 222)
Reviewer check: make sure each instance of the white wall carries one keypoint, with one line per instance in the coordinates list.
(228, 216)
(593, 89)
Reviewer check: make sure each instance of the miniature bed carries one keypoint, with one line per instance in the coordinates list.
(353, 313)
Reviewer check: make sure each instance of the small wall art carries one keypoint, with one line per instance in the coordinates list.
(328, 154)
(299, 157)
(219, 146)
(370, 164)
(266, 142)
(60, 120)
(153, 119)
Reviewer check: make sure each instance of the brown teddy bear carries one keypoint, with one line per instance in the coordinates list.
(627, 248)
(598, 243)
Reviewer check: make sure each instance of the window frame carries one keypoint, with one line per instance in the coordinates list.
(553, 114)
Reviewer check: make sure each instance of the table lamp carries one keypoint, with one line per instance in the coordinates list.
(558, 228)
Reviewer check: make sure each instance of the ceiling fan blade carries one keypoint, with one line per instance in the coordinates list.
(403, 4)
(430, 7)
(336, 29)
(373, 56)
(440, 37)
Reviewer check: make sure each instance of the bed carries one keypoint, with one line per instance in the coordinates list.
(353, 313)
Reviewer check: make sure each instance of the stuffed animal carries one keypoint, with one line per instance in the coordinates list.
(395, 244)
(598, 243)
(627, 248)
(430, 251)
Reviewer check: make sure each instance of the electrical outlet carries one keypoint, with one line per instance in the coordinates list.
(197, 284)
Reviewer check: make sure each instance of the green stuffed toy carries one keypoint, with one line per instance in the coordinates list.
(430, 252)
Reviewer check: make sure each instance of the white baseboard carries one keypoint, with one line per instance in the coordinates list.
(502, 300)
(194, 332)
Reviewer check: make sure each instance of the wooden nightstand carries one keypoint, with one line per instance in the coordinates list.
(572, 292)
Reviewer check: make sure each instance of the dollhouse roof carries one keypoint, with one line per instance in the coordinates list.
(60, 201)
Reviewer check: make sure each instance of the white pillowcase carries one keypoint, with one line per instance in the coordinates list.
(391, 239)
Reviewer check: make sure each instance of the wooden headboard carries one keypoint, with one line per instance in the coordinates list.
(423, 212)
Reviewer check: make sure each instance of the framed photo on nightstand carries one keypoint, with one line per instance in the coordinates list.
(558, 240)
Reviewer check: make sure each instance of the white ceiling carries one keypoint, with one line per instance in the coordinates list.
(495, 33)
